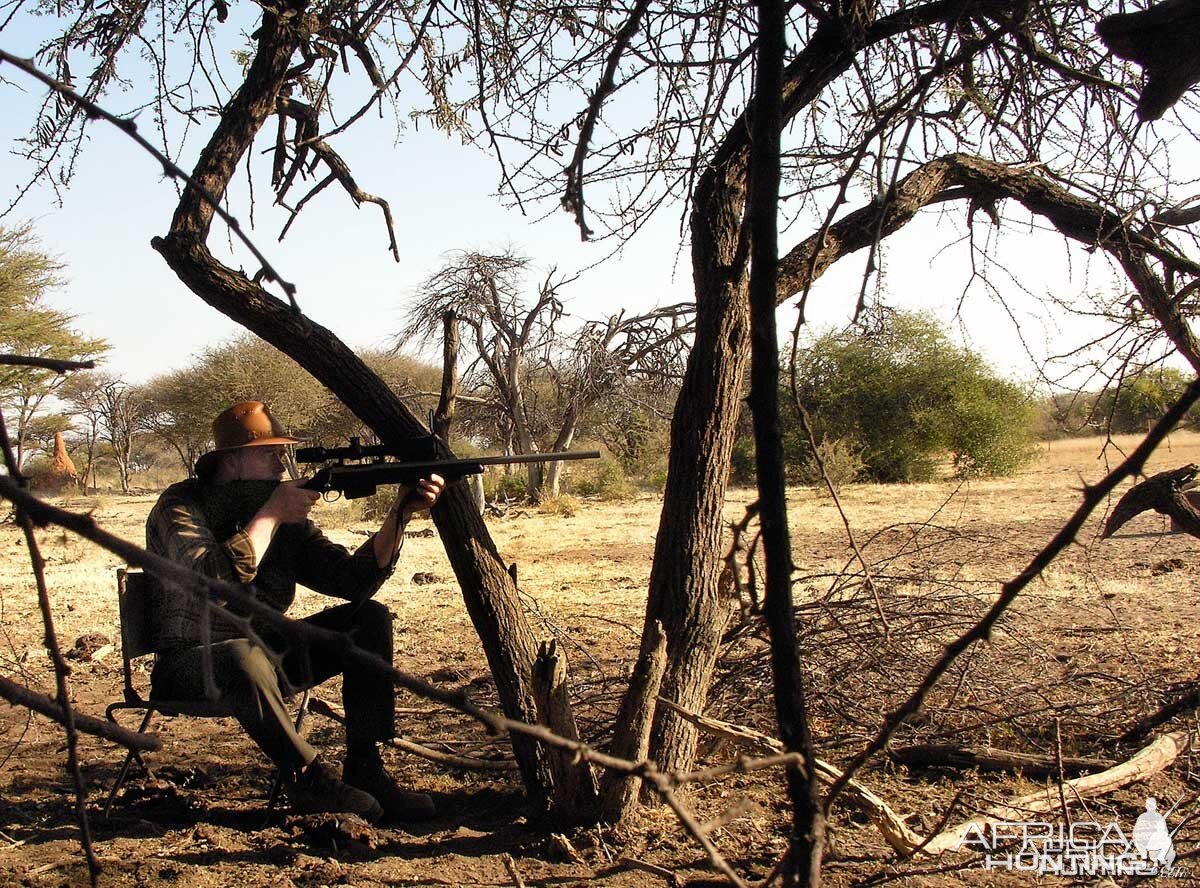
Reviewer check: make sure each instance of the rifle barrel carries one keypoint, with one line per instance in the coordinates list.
(533, 457)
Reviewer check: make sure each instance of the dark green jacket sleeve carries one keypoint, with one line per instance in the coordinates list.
(177, 530)
(327, 567)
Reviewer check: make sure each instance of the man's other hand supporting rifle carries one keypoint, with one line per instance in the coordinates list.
(239, 521)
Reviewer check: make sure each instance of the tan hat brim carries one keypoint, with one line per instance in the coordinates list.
(206, 464)
(259, 442)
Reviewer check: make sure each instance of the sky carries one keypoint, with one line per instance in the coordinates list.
(443, 197)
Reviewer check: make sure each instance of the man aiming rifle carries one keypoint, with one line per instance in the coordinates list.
(239, 521)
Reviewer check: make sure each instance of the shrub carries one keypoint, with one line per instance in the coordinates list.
(842, 458)
(506, 487)
(741, 464)
(1137, 402)
(604, 479)
(912, 399)
(656, 480)
(564, 505)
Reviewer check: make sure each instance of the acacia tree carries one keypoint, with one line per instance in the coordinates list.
(121, 409)
(952, 96)
(30, 327)
(179, 411)
(180, 405)
(519, 346)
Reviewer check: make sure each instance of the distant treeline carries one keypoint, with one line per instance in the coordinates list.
(890, 401)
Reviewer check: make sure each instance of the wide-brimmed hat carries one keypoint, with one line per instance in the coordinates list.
(245, 424)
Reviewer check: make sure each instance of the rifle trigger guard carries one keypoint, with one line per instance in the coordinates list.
(331, 496)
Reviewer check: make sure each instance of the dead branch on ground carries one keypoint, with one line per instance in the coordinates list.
(988, 758)
(1147, 762)
(19, 695)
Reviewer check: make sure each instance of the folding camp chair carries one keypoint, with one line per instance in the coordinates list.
(136, 603)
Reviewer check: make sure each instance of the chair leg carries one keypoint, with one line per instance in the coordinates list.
(277, 784)
(133, 753)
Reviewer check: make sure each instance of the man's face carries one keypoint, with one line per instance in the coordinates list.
(260, 463)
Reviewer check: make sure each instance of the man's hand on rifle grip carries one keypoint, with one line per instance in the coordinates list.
(410, 500)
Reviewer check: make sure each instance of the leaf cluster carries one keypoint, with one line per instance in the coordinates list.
(910, 399)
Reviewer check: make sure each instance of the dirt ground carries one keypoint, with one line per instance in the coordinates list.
(1102, 638)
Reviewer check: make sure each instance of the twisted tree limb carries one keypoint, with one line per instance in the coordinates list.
(488, 590)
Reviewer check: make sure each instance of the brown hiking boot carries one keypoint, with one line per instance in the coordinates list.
(318, 791)
(368, 774)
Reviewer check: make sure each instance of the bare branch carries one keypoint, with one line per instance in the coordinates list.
(170, 169)
(61, 669)
(19, 695)
(572, 200)
(45, 363)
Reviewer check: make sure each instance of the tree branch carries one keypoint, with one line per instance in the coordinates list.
(170, 169)
(45, 363)
(19, 695)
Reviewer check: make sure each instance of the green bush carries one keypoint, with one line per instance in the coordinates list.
(604, 479)
(656, 480)
(912, 400)
(741, 464)
(842, 458)
(506, 487)
(1137, 402)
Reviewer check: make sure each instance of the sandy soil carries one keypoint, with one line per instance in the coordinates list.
(1101, 638)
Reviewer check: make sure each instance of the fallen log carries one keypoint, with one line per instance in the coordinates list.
(1185, 701)
(988, 758)
(1144, 764)
(1147, 762)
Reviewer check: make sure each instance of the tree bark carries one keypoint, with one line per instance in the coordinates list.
(443, 417)
(552, 478)
(488, 590)
(687, 558)
(801, 865)
(575, 800)
(631, 739)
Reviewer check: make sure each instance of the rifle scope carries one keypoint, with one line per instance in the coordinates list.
(424, 448)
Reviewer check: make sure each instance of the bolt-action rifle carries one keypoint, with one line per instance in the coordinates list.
(357, 470)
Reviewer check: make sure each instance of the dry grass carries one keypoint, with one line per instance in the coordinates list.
(1096, 642)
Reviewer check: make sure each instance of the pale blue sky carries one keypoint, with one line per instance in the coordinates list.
(443, 197)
